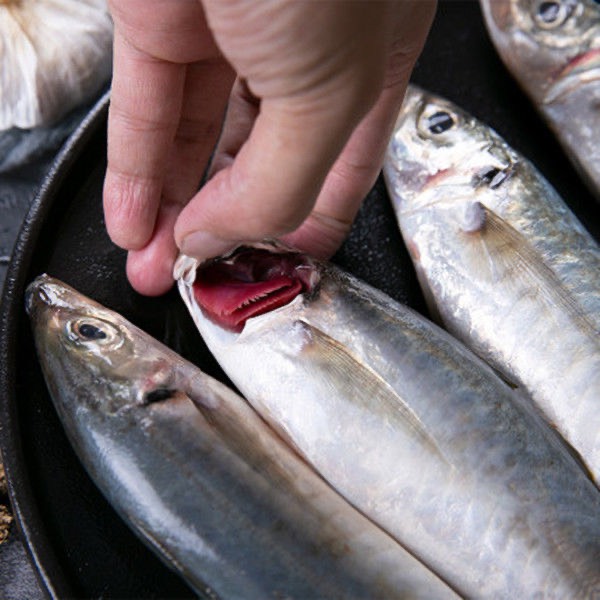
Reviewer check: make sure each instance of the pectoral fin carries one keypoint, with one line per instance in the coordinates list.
(363, 386)
(512, 258)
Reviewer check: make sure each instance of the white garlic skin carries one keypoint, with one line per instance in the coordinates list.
(54, 56)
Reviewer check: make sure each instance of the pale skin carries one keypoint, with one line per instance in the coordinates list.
(297, 99)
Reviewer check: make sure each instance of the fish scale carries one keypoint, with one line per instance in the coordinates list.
(523, 289)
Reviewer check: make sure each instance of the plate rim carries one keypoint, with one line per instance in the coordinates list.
(34, 536)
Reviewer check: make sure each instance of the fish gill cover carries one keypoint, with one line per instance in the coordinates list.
(251, 282)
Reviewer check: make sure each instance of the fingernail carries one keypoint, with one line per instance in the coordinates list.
(203, 245)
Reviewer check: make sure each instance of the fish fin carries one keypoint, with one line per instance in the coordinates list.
(366, 387)
(155, 543)
(512, 257)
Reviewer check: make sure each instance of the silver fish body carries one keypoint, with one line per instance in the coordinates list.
(198, 475)
(503, 262)
(418, 434)
(552, 48)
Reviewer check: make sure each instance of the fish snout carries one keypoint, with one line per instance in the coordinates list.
(39, 293)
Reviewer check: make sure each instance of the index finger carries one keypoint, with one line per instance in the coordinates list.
(144, 113)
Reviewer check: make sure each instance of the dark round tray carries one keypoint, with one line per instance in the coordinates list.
(79, 546)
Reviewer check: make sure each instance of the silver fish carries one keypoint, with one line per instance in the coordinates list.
(504, 263)
(198, 475)
(552, 48)
(405, 422)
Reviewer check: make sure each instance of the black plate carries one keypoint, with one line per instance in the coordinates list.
(79, 546)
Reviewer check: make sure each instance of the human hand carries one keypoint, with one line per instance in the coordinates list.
(301, 97)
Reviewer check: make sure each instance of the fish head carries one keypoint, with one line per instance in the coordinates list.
(443, 169)
(85, 347)
(551, 46)
(441, 162)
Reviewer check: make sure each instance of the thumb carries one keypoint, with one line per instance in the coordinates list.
(275, 178)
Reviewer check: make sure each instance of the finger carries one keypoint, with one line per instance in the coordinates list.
(274, 180)
(207, 89)
(205, 96)
(357, 168)
(150, 270)
(351, 177)
(143, 117)
(242, 111)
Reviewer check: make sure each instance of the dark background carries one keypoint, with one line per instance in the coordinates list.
(79, 546)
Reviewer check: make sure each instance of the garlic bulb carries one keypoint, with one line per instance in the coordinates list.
(54, 55)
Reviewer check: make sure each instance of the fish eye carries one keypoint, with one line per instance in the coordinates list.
(551, 13)
(90, 330)
(439, 122)
(435, 121)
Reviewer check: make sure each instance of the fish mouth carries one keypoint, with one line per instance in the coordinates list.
(46, 292)
(250, 282)
(39, 293)
(580, 70)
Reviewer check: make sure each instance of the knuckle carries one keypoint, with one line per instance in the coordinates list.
(129, 210)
